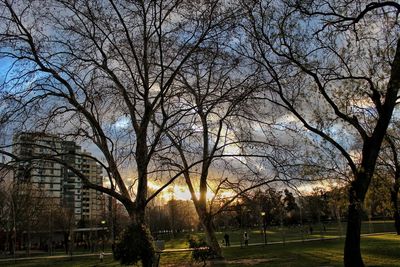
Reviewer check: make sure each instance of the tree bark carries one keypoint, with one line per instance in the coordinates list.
(352, 250)
(370, 152)
(28, 239)
(394, 199)
(66, 243)
(211, 238)
(137, 216)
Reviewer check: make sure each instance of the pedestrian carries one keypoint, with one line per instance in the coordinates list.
(246, 239)
(226, 238)
(101, 256)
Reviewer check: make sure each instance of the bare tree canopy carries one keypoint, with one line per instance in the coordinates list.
(102, 72)
(194, 89)
(336, 69)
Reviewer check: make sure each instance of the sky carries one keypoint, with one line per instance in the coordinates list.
(4, 66)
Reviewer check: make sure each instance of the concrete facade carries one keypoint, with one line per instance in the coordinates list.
(59, 182)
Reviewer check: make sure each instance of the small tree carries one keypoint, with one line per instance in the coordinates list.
(291, 207)
(135, 245)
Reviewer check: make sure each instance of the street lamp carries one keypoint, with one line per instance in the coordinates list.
(103, 223)
(263, 215)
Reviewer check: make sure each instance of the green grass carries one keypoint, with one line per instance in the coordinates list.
(382, 250)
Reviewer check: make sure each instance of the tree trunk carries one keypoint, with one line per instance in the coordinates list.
(66, 243)
(357, 192)
(352, 250)
(397, 221)
(28, 241)
(7, 244)
(394, 199)
(211, 239)
(137, 216)
(91, 245)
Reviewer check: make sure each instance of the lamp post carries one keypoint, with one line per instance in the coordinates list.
(263, 216)
(103, 223)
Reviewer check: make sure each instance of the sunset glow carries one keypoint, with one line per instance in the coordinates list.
(181, 192)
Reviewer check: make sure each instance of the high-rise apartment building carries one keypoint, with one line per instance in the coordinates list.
(71, 186)
(59, 183)
(93, 202)
(40, 172)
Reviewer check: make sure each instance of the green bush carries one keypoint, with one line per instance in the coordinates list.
(136, 245)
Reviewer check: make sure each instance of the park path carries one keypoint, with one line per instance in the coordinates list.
(257, 244)
(53, 257)
(279, 242)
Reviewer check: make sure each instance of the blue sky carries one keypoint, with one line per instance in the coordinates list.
(5, 64)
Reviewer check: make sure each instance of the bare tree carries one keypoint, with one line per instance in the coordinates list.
(313, 53)
(59, 219)
(7, 222)
(211, 144)
(103, 72)
(213, 95)
(22, 209)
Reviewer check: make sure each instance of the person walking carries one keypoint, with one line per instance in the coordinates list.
(226, 238)
(246, 239)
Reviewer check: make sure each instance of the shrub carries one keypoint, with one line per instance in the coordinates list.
(135, 245)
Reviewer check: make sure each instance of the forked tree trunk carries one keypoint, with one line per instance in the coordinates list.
(211, 238)
(209, 230)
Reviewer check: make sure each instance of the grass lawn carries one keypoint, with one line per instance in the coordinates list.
(382, 250)
(377, 251)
